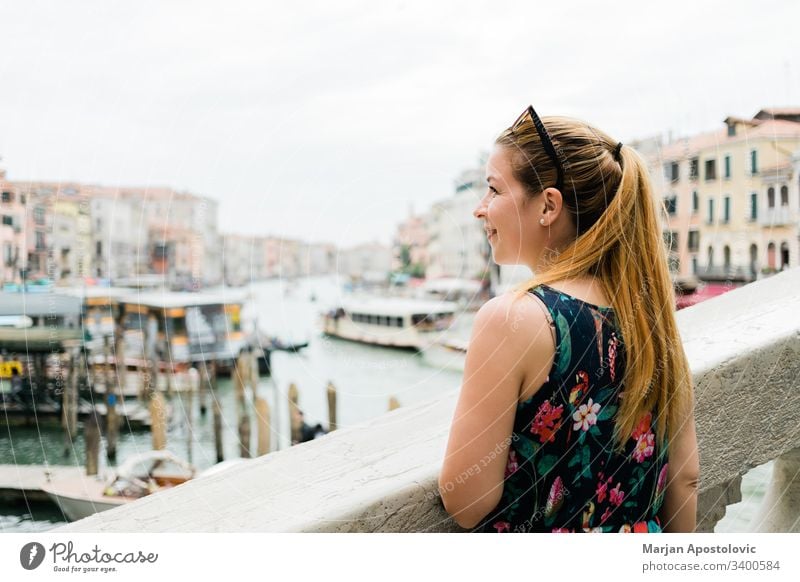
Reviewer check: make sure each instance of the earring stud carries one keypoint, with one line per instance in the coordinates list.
(541, 221)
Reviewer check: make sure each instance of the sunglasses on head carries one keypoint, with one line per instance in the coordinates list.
(547, 143)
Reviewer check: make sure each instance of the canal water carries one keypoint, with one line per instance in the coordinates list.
(365, 377)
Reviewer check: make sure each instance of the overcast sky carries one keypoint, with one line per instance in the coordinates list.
(326, 120)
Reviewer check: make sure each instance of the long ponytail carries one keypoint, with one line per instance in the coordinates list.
(618, 241)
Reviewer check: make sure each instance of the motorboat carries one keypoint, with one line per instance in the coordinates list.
(139, 476)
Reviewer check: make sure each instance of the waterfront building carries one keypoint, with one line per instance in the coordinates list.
(731, 201)
(410, 245)
(457, 242)
(12, 232)
(368, 261)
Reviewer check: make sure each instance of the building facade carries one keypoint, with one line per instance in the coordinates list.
(457, 244)
(730, 197)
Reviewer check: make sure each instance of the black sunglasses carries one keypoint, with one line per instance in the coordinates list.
(547, 143)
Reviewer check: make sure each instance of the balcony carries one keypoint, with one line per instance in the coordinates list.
(777, 216)
(381, 475)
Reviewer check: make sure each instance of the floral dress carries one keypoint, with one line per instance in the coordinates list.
(562, 474)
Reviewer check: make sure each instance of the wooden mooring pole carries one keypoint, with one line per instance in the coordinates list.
(241, 379)
(217, 408)
(112, 419)
(331, 390)
(91, 432)
(295, 420)
(69, 418)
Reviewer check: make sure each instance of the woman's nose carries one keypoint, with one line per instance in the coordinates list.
(480, 209)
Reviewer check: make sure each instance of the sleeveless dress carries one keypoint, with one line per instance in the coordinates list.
(562, 474)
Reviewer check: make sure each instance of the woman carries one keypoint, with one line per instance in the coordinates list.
(575, 414)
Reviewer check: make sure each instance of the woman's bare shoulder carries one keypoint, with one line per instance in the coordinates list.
(520, 322)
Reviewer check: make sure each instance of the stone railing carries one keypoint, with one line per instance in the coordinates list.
(381, 475)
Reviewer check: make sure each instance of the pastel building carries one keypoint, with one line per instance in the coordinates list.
(457, 242)
(731, 197)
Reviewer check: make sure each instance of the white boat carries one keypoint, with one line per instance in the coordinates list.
(389, 321)
(446, 353)
(141, 475)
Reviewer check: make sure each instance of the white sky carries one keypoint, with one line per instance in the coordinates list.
(325, 120)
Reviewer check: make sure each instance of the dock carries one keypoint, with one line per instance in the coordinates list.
(24, 482)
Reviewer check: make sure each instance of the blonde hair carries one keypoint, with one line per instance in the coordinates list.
(618, 240)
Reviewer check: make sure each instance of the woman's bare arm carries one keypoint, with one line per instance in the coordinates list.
(679, 511)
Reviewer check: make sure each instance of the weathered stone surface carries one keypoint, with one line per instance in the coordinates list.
(780, 508)
(744, 352)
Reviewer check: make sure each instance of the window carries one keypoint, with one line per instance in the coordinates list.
(695, 202)
(753, 162)
(727, 167)
(671, 240)
(99, 248)
(710, 210)
(8, 220)
(726, 257)
(726, 210)
(784, 195)
(40, 246)
(8, 254)
(694, 168)
(754, 206)
(710, 257)
(673, 171)
(711, 169)
(671, 204)
(38, 215)
(694, 241)
(7, 197)
(771, 197)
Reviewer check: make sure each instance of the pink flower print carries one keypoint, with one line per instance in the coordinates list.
(502, 526)
(662, 480)
(606, 515)
(561, 530)
(512, 465)
(644, 447)
(547, 421)
(616, 496)
(612, 355)
(602, 489)
(555, 498)
(586, 415)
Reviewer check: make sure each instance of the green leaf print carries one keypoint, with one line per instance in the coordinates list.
(546, 463)
(565, 347)
(607, 412)
(586, 462)
(526, 448)
(605, 394)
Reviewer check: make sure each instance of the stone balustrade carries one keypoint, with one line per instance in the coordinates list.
(381, 475)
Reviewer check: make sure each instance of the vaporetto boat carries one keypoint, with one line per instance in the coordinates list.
(389, 321)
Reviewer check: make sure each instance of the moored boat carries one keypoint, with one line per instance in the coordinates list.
(389, 321)
(139, 476)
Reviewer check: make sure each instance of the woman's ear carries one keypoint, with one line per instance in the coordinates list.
(552, 202)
